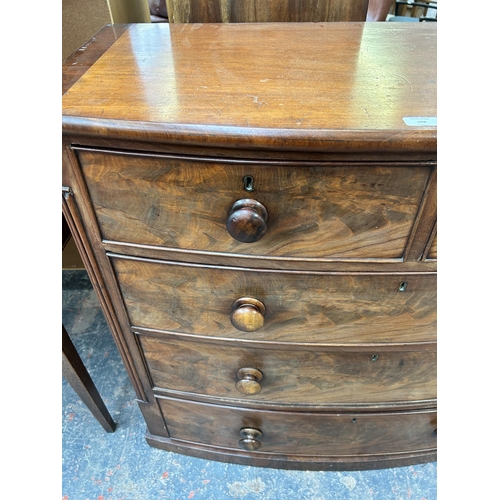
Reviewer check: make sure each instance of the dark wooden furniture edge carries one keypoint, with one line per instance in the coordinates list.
(292, 463)
(74, 370)
(73, 69)
(75, 66)
(422, 140)
(267, 263)
(71, 215)
(78, 377)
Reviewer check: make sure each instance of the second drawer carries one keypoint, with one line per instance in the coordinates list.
(330, 308)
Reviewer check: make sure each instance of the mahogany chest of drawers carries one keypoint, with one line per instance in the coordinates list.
(256, 208)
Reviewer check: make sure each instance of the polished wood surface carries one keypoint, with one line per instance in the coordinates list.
(318, 377)
(82, 59)
(257, 85)
(263, 11)
(174, 124)
(247, 220)
(329, 308)
(302, 433)
(357, 211)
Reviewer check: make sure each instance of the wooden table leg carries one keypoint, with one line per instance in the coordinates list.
(76, 374)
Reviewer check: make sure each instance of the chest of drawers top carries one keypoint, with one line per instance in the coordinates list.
(315, 87)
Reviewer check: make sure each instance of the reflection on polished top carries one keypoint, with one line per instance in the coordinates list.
(311, 81)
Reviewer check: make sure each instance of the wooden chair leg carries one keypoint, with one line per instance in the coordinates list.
(78, 377)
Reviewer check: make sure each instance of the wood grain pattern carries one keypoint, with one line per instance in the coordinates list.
(433, 249)
(76, 210)
(157, 136)
(256, 85)
(281, 263)
(305, 434)
(300, 307)
(313, 212)
(293, 462)
(425, 221)
(83, 58)
(263, 11)
(323, 377)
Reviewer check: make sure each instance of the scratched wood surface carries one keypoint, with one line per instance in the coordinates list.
(313, 212)
(300, 307)
(257, 84)
(302, 434)
(297, 377)
(83, 58)
(263, 11)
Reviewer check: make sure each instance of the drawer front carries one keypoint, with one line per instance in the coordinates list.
(299, 307)
(300, 433)
(312, 212)
(294, 377)
(433, 249)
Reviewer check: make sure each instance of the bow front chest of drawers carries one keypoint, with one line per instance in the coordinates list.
(256, 208)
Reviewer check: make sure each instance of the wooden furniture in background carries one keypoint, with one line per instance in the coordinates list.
(263, 11)
(378, 10)
(258, 218)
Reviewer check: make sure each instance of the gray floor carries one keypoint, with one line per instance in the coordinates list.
(121, 466)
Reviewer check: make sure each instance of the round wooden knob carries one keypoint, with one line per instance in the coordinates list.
(249, 441)
(249, 379)
(247, 220)
(248, 314)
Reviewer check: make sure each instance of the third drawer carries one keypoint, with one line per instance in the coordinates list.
(291, 376)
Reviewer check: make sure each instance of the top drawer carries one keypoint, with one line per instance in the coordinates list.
(336, 211)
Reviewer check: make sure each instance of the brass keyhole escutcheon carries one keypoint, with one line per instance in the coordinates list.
(248, 183)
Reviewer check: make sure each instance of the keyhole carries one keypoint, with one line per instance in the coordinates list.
(248, 183)
(402, 286)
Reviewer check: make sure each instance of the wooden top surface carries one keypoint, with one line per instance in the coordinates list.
(316, 85)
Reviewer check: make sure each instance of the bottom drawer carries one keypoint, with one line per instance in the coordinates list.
(300, 433)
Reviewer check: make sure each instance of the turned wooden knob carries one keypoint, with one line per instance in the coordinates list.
(249, 379)
(249, 441)
(248, 314)
(247, 220)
